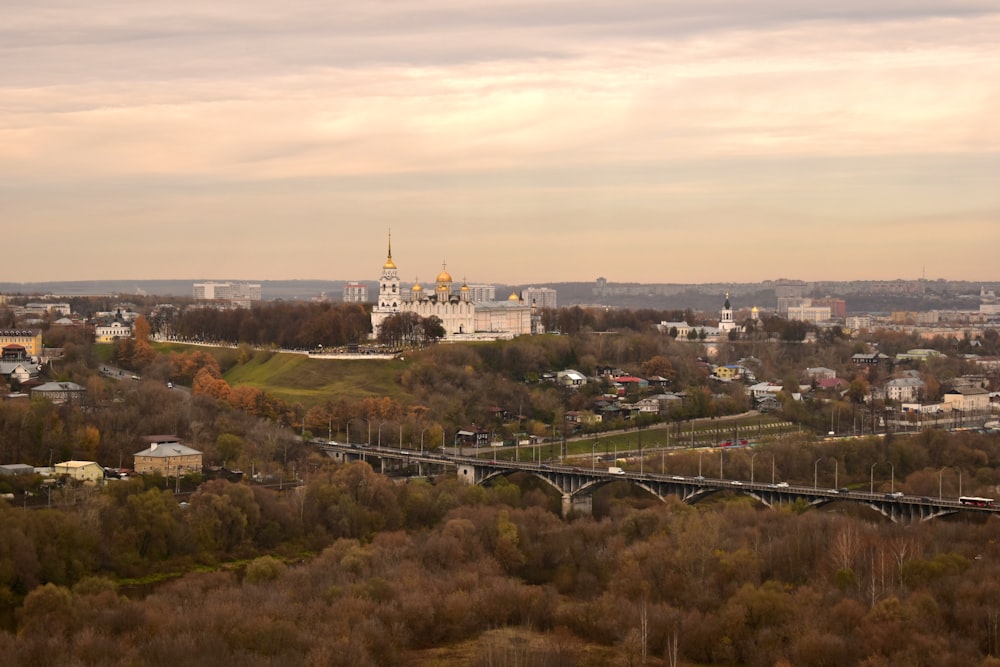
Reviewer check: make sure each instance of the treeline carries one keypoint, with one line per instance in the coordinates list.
(466, 575)
(280, 324)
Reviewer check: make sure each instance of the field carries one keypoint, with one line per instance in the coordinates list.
(298, 378)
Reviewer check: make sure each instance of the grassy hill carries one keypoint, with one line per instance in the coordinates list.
(298, 378)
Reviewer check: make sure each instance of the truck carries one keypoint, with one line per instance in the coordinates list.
(615, 470)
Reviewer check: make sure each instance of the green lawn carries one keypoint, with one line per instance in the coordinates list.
(297, 378)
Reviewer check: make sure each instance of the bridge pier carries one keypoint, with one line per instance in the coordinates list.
(581, 504)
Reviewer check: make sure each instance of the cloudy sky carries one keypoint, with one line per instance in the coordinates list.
(519, 140)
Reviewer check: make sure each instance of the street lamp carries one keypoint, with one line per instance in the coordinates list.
(380, 425)
(593, 455)
(872, 478)
(816, 472)
(892, 478)
(422, 441)
(752, 457)
(836, 466)
(940, 473)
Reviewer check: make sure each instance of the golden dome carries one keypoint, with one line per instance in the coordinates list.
(513, 297)
(417, 288)
(389, 264)
(444, 277)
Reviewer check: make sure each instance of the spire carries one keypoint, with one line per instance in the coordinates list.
(389, 264)
(726, 305)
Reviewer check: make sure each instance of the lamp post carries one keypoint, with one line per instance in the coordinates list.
(836, 466)
(593, 455)
(940, 473)
(872, 478)
(422, 431)
(722, 456)
(772, 468)
(699, 464)
(752, 457)
(816, 472)
(892, 478)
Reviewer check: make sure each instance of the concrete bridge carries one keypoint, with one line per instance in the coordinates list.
(576, 485)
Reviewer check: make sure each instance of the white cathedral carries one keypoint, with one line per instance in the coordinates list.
(461, 317)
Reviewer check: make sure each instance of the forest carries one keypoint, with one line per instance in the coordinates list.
(350, 567)
(354, 569)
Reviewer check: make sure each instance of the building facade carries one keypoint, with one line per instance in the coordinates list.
(240, 293)
(460, 316)
(30, 340)
(355, 293)
(539, 297)
(809, 313)
(167, 456)
(81, 471)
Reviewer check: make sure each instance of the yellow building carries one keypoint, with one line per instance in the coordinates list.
(82, 471)
(30, 340)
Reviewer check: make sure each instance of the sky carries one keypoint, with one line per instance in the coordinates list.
(519, 141)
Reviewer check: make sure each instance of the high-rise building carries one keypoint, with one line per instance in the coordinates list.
(241, 293)
(539, 297)
(355, 293)
(481, 293)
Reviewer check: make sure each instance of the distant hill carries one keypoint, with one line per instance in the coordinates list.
(860, 296)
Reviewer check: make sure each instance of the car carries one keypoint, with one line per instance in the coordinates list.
(843, 489)
(781, 485)
(700, 478)
(736, 482)
(925, 499)
(677, 478)
(170, 385)
(894, 495)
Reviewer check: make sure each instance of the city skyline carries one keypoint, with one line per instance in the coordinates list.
(520, 142)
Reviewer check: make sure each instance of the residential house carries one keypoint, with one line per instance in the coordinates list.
(583, 417)
(571, 378)
(659, 404)
(658, 381)
(168, 456)
(903, 389)
(832, 384)
(81, 471)
(873, 359)
(729, 372)
(60, 392)
(629, 384)
(820, 373)
(475, 437)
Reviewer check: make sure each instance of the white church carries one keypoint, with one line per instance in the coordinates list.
(461, 317)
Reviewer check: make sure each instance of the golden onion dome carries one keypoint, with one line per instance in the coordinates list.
(444, 277)
(389, 264)
(417, 288)
(465, 288)
(513, 297)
